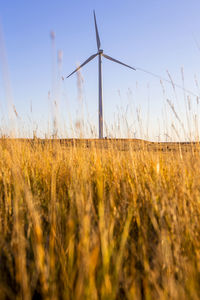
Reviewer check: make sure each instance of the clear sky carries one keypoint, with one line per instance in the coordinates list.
(156, 35)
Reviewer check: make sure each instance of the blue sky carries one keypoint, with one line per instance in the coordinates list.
(155, 35)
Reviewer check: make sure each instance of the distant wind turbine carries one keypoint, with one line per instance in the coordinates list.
(100, 54)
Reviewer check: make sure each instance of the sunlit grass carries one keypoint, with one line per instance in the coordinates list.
(89, 223)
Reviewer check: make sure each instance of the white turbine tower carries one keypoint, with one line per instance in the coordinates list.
(100, 54)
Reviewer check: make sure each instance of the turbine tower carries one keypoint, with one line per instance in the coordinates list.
(100, 54)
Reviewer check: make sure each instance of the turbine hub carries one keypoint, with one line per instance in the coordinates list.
(100, 51)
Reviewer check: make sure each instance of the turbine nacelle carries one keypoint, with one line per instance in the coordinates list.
(100, 51)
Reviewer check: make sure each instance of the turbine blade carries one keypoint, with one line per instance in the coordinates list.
(117, 61)
(97, 33)
(83, 64)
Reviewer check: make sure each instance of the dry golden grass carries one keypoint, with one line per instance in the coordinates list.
(98, 222)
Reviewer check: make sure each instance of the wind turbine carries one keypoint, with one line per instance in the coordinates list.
(100, 54)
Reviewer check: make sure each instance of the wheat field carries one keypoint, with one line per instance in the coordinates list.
(98, 222)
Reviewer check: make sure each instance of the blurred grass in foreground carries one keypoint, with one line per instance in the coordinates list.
(99, 223)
